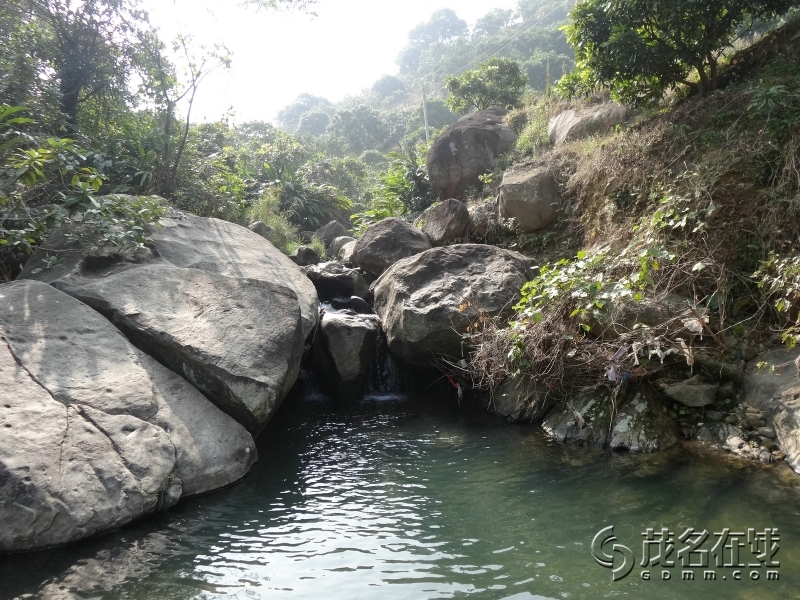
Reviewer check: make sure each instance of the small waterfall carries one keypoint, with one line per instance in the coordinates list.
(385, 377)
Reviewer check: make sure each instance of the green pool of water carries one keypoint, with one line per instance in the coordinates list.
(420, 499)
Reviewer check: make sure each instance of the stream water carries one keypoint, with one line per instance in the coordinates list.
(418, 498)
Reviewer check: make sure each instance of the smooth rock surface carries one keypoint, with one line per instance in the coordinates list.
(385, 242)
(445, 222)
(529, 197)
(467, 150)
(95, 432)
(573, 125)
(344, 348)
(197, 304)
(427, 301)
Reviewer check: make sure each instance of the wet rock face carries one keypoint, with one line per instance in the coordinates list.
(639, 424)
(467, 150)
(386, 242)
(94, 432)
(344, 350)
(426, 302)
(197, 304)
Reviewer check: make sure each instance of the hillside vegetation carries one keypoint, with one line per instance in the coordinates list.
(697, 197)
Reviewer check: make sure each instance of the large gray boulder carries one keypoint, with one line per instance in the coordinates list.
(529, 197)
(385, 242)
(331, 231)
(344, 347)
(332, 279)
(467, 150)
(572, 125)
(214, 302)
(445, 222)
(426, 302)
(95, 432)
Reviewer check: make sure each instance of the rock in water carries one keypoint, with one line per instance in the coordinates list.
(467, 150)
(639, 424)
(214, 302)
(445, 222)
(426, 302)
(386, 242)
(344, 349)
(331, 231)
(530, 198)
(95, 432)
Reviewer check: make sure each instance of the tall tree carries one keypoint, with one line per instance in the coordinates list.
(496, 82)
(640, 48)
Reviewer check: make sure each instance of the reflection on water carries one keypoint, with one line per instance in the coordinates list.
(416, 499)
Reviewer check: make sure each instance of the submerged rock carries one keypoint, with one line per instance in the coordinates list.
(95, 432)
(384, 243)
(428, 301)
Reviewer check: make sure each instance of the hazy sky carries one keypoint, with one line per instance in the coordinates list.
(276, 57)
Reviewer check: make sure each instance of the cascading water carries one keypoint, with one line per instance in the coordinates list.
(385, 377)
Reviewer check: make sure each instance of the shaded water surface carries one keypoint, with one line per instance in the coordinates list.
(418, 499)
